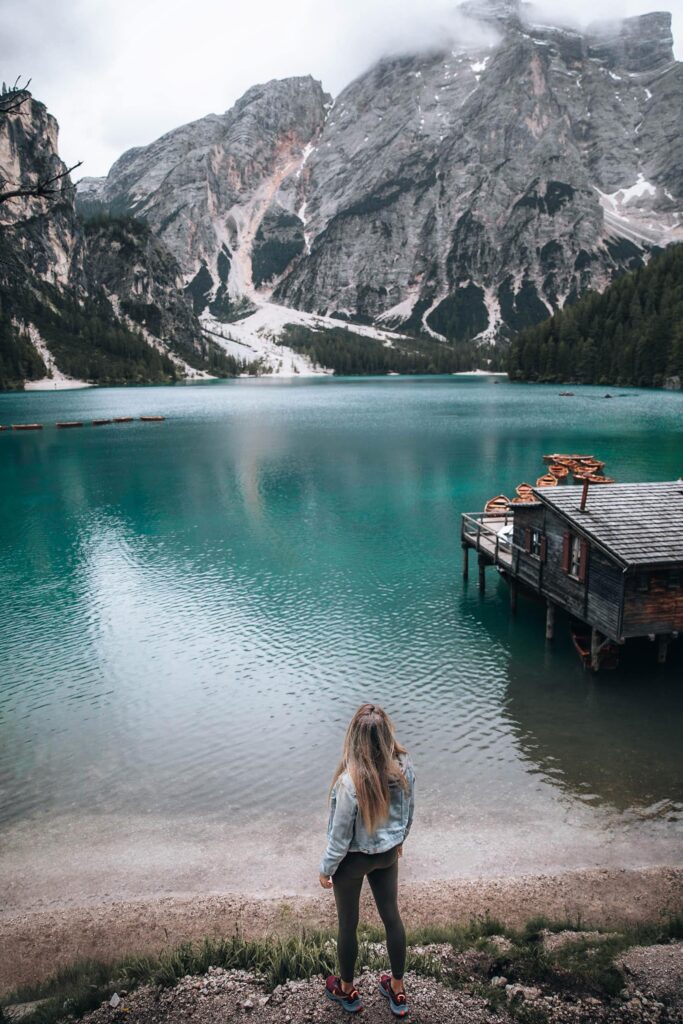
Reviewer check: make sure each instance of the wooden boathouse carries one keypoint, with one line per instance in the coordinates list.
(611, 557)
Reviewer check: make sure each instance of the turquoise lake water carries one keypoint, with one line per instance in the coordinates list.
(193, 609)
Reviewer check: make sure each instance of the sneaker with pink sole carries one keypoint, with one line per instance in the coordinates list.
(349, 1001)
(398, 1002)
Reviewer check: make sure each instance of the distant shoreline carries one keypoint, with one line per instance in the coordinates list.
(48, 385)
(478, 373)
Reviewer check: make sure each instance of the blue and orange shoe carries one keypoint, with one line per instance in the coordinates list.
(398, 1002)
(349, 1001)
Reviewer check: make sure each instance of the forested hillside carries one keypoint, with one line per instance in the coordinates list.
(630, 334)
(350, 354)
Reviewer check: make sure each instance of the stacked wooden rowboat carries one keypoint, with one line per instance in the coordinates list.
(560, 468)
(581, 467)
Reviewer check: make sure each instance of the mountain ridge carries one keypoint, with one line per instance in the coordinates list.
(448, 198)
(460, 195)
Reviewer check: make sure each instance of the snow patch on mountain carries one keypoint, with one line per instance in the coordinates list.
(430, 330)
(479, 66)
(490, 333)
(56, 381)
(629, 212)
(255, 338)
(402, 311)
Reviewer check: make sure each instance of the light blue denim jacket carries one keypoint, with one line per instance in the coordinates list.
(346, 832)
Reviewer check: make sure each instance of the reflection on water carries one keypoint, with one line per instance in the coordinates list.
(614, 739)
(193, 609)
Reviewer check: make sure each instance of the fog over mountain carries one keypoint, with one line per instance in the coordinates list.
(119, 74)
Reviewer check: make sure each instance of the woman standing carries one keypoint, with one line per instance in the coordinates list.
(371, 811)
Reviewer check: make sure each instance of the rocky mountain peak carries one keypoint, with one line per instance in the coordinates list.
(205, 187)
(638, 45)
(500, 12)
(462, 193)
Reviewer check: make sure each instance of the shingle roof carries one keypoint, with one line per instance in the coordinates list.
(640, 524)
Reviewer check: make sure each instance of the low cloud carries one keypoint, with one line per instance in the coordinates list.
(119, 73)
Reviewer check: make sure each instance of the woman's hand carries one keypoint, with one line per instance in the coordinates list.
(326, 881)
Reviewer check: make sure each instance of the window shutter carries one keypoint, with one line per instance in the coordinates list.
(527, 538)
(544, 548)
(583, 562)
(566, 548)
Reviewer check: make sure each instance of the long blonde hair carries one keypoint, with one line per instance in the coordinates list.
(370, 756)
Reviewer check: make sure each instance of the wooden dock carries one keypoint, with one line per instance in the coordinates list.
(482, 533)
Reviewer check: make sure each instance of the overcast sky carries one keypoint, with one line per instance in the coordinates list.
(119, 73)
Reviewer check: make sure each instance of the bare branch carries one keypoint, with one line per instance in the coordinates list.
(12, 98)
(44, 188)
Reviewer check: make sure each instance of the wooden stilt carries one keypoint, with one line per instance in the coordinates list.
(595, 649)
(550, 621)
(482, 574)
(465, 561)
(513, 596)
(662, 648)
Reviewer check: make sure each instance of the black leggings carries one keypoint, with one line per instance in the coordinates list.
(382, 872)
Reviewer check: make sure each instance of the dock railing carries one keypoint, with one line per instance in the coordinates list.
(482, 532)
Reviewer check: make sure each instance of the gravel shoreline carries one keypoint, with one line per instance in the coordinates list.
(652, 994)
(36, 944)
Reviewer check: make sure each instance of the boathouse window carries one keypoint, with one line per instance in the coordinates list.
(535, 543)
(643, 582)
(575, 556)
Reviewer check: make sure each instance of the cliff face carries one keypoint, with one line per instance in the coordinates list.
(205, 188)
(471, 193)
(45, 231)
(56, 271)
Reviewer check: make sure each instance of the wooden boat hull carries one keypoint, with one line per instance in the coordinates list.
(547, 480)
(497, 506)
(68, 425)
(27, 426)
(152, 419)
(101, 423)
(556, 469)
(123, 419)
(608, 654)
(567, 458)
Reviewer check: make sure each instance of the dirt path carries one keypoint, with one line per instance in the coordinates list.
(36, 943)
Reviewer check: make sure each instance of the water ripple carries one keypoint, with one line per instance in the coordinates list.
(190, 616)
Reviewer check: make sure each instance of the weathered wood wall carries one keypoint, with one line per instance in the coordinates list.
(658, 608)
(596, 600)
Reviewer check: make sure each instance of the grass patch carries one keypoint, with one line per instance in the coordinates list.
(585, 966)
(469, 936)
